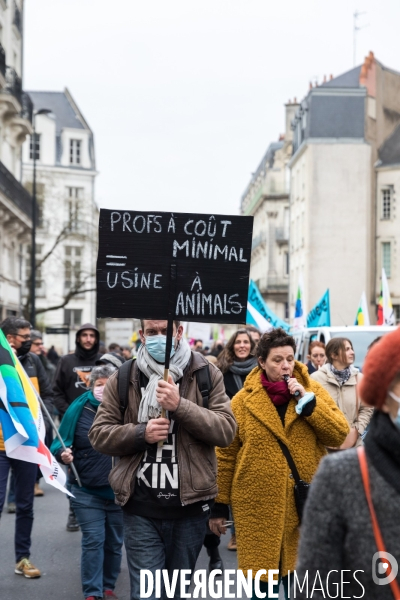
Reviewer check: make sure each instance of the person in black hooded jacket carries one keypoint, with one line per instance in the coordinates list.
(73, 370)
(72, 380)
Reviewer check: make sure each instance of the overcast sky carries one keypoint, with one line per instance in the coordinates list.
(184, 97)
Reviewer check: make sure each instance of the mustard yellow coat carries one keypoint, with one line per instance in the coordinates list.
(254, 477)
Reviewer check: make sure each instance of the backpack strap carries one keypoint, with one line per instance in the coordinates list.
(124, 376)
(204, 383)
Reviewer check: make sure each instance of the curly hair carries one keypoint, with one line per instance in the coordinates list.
(103, 371)
(227, 356)
(274, 339)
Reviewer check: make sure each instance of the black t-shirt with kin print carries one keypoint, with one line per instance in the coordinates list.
(157, 493)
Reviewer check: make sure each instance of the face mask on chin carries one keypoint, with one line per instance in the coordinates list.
(98, 392)
(396, 420)
(24, 348)
(156, 347)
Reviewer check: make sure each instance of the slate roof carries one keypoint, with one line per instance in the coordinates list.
(336, 116)
(389, 152)
(350, 79)
(67, 115)
(266, 162)
(334, 109)
(58, 103)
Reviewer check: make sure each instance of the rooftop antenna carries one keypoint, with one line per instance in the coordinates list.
(356, 29)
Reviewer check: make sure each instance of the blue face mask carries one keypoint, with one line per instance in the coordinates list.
(156, 346)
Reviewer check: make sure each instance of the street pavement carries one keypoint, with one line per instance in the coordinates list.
(56, 552)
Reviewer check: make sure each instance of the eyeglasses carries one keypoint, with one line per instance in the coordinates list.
(24, 337)
(37, 343)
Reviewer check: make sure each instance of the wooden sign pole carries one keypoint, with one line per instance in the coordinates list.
(170, 328)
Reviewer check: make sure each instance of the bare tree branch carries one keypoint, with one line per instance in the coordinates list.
(64, 233)
(65, 301)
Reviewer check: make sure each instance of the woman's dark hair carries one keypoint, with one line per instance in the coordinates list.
(336, 348)
(227, 356)
(274, 339)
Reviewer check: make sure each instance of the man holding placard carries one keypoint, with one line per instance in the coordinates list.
(165, 424)
(166, 477)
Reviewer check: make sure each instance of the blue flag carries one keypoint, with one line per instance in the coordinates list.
(320, 315)
(258, 307)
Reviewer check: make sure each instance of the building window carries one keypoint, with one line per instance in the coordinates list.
(387, 196)
(75, 152)
(386, 258)
(72, 268)
(75, 192)
(286, 263)
(73, 207)
(37, 146)
(73, 317)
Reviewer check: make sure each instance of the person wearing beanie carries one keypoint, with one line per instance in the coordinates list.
(337, 534)
(339, 377)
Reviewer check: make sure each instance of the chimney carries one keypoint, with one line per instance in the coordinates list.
(310, 85)
(368, 74)
(290, 111)
(330, 77)
(324, 78)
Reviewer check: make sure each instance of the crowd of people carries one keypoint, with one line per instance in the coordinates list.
(240, 436)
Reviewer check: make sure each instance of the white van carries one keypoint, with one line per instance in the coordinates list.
(361, 338)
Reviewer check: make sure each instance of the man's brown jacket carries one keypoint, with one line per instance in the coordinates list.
(200, 430)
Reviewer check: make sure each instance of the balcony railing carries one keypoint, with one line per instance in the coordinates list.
(14, 191)
(2, 61)
(258, 240)
(17, 19)
(27, 107)
(273, 284)
(13, 84)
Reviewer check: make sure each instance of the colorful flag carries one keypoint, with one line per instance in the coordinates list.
(299, 318)
(255, 318)
(21, 419)
(320, 315)
(362, 317)
(386, 314)
(259, 314)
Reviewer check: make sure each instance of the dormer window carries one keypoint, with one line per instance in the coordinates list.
(75, 152)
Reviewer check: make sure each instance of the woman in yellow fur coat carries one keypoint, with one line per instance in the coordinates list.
(253, 475)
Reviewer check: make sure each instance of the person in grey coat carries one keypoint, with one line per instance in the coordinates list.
(338, 553)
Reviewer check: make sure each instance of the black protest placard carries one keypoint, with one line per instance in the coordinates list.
(209, 255)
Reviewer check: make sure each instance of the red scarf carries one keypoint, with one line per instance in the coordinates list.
(278, 391)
